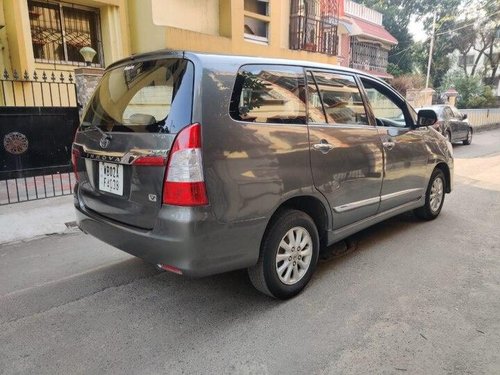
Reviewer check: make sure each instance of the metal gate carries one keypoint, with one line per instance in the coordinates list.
(38, 118)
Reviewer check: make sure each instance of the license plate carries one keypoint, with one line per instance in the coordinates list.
(111, 178)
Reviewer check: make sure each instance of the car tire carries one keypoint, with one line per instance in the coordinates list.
(467, 141)
(434, 197)
(288, 255)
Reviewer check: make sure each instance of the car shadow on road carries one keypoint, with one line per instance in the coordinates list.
(369, 239)
(137, 286)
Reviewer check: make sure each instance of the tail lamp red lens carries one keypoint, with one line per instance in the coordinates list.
(184, 183)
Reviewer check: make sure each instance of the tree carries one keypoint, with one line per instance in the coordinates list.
(396, 19)
(397, 15)
(478, 32)
(473, 93)
(490, 37)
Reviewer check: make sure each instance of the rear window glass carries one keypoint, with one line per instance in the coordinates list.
(147, 96)
(269, 94)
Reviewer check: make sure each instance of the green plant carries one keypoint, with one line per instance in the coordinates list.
(472, 92)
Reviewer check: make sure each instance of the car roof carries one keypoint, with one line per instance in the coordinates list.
(236, 59)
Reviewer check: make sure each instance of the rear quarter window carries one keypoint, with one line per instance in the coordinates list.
(269, 94)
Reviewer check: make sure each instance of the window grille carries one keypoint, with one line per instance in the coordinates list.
(60, 30)
(368, 56)
(313, 26)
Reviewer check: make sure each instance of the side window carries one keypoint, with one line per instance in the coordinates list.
(387, 110)
(269, 94)
(315, 113)
(341, 98)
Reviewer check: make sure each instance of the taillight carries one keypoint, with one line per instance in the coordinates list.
(75, 154)
(150, 161)
(184, 183)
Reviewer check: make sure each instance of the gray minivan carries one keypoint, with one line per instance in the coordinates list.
(202, 164)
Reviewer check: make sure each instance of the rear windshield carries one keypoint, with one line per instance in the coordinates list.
(147, 96)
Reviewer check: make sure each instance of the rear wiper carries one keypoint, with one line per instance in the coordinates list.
(94, 126)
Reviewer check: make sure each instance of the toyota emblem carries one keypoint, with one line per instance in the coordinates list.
(104, 142)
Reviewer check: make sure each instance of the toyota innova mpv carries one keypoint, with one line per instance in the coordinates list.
(202, 164)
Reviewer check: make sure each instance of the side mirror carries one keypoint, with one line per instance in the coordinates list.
(426, 117)
(464, 116)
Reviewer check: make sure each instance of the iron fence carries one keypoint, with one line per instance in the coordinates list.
(41, 89)
(17, 190)
(38, 118)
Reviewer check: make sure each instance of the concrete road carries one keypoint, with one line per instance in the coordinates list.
(415, 297)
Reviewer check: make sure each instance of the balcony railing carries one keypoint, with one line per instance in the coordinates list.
(360, 11)
(313, 26)
(369, 57)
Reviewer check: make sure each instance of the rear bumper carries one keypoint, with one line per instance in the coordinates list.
(188, 238)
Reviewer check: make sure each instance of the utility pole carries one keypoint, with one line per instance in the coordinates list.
(430, 51)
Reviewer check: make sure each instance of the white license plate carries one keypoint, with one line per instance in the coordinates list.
(111, 178)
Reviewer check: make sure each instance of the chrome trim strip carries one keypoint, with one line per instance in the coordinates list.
(399, 193)
(347, 230)
(358, 204)
(369, 201)
(120, 157)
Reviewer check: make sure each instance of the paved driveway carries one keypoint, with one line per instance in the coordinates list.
(416, 298)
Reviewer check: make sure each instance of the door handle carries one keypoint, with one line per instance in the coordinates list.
(323, 146)
(389, 145)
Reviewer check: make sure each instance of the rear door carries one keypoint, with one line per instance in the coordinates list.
(405, 152)
(126, 134)
(346, 152)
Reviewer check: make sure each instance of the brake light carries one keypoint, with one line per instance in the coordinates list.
(75, 154)
(184, 183)
(150, 161)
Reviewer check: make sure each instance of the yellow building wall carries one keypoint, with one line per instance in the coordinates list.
(15, 36)
(144, 34)
(214, 26)
(135, 26)
(4, 62)
(194, 15)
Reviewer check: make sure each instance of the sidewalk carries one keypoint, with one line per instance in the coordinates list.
(23, 221)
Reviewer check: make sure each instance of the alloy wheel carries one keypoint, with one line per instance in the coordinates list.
(436, 196)
(294, 255)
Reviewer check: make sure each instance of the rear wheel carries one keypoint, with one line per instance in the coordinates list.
(288, 255)
(468, 140)
(434, 197)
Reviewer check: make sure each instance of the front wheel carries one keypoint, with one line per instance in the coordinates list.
(468, 140)
(288, 256)
(434, 197)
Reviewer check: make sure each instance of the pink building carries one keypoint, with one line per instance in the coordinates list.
(342, 28)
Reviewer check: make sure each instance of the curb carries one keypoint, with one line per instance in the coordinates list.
(27, 220)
